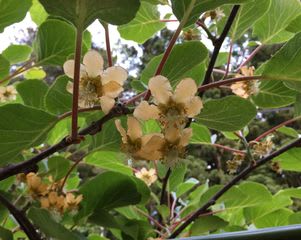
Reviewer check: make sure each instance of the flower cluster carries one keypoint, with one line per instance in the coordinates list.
(263, 148)
(245, 89)
(49, 194)
(97, 86)
(8, 93)
(172, 111)
(235, 163)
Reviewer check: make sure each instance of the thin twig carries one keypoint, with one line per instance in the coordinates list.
(219, 43)
(108, 45)
(235, 180)
(76, 79)
(209, 34)
(150, 218)
(23, 221)
(164, 185)
(80, 110)
(250, 57)
(229, 60)
(228, 149)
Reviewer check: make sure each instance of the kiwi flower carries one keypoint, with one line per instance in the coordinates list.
(96, 86)
(8, 93)
(137, 145)
(147, 176)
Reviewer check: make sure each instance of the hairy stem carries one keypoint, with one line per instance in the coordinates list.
(108, 44)
(235, 180)
(76, 80)
(23, 221)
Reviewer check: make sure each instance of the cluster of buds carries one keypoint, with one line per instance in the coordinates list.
(235, 163)
(245, 89)
(96, 86)
(172, 111)
(49, 194)
(8, 93)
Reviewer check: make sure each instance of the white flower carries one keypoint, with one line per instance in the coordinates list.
(97, 86)
(139, 147)
(170, 108)
(147, 176)
(8, 93)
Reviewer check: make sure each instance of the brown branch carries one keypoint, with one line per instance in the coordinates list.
(218, 44)
(80, 110)
(76, 79)
(204, 27)
(20, 217)
(108, 45)
(94, 128)
(235, 180)
(164, 185)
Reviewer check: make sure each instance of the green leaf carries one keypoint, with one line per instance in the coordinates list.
(290, 160)
(57, 99)
(271, 27)
(222, 59)
(295, 25)
(179, 7)
(207, 224)
(288, 131)
(58, 167)
(5, 234)
(38, 13)
(295, 218)
(17, 53)
(176, 177)
(82, 13)
(186, 186)
(22, 127)
(12, 11)
(4, 67)
(33, 92)
(107, 191)
(201, 134)
(297, 109)
(277, 218)
(112, 161)
(231, 113)
(273, 94)
(35, 73)
(144, 25)
(55, 41)
(43, 219)
(247, 16)
(182, 59)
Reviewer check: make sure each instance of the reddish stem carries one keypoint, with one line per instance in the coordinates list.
(228, 149)
(275, 128)
(168, 20)
(108, 45)
(229, 60)
(76, 80)
(250, 57)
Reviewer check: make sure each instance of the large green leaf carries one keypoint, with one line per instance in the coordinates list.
(290, 160)
(144, 25)
(277, 218)
(17, 53)
(285, 64)
(37, 12)
(176, 177)
(5, 234)
(83, 12)
(54, 43)
(112, 161)
(179, 7)
(248, 14)
(207, 224)
(33, 92)
(12, 11)
(201, 134)
(57, 99)
(182, 60)
(273, 94)
(271, 27)
(295, 25)
(231, 113)
(58, 167)
(52, 229)
(4, 67)
(22, 127)
(107, 191)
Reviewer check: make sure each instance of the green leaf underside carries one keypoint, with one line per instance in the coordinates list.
(4, 67)
(284, 65)
(12, 11)
(183, 59)
(144, 25)
(231, 113)
(43, 219)
(21, 127)
(271, 27)
(33, 92)
(179, 7)
(201, 134)
(290, 160)
(83, 12)
(17, 53)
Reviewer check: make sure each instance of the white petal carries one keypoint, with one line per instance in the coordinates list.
(69, 69)
(93, 62)
(106, 104)
(144, 111)
(186, 135)
(134, 128)
(116, 74)
(69, 87)
(172, 134)
(112, 89)
(185, 90)
(194, 107)
(121, 130)
(160, 89)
